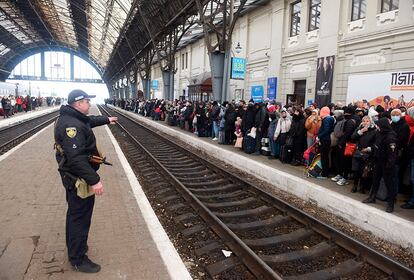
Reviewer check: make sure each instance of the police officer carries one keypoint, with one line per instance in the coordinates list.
(385, 154)
(75, 144)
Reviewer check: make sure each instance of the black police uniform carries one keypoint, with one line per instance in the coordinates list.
(385, 154)
(73, 132)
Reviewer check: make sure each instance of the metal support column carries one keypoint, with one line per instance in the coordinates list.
(72, 67)
(42, 66)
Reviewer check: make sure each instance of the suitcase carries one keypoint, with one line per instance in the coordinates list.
(286, 154)
(265, 151)
(249, 144)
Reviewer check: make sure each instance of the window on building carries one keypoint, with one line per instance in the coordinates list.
(314, 14)
(389, 5)
(186, 60)
(359, 9)
(182, 62)
(295, 18)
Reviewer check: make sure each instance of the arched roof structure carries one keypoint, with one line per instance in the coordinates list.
(111, 34)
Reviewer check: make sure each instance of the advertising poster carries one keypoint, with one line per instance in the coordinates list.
(154, 84)
(324, 79)
(271, 88)
(390, 90)
(257, 93)
(238, 68)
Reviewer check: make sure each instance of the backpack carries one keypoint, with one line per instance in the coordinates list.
(315, 168)
(339, 129)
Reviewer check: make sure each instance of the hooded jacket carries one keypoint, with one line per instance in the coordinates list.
(385, 147)
(402, 130)
(73, 132)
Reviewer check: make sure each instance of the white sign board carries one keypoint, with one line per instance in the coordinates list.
(392, 89)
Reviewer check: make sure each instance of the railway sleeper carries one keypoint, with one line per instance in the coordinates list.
(208, 183)
(320, 250)
(229, 187)
(346, 268)
(260, 224)
(222, 266)
(231, 203)
(219, 196)
(193, 230)
(184, 217)
(294, 236)
(208, 248)
(245, 213)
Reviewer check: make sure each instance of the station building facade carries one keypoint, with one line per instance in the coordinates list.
(311, 50)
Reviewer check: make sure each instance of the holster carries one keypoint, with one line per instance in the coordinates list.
(83, 190)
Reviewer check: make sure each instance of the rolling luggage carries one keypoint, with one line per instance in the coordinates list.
(315, 168)
(286, 154)
(249, 144)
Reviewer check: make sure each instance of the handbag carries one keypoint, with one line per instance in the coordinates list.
(350, 149)
(360, 155)
(239, 142)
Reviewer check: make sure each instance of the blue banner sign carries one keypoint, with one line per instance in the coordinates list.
(271, 88)
(238, 68)
(257, 93)
(154, 84)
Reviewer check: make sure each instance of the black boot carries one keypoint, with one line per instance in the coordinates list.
(369, 200)
(354, 189)
(87, 266)
(390, 208)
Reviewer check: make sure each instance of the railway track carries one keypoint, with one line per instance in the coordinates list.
(269, 237)
(11, 136)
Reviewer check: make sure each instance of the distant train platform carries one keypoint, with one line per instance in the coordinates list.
(126, 238)
(22, 116)
(396, 227)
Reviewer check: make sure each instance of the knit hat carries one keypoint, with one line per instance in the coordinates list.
(349, 110)
(271, 108)
(410, 112)
(338, 113)
(325, 112)
(372, 112)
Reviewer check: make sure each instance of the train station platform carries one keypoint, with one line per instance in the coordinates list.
(126, 238)
(22, 116)
(396, 227)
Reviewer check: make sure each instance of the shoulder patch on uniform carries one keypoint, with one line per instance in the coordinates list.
(71, 132)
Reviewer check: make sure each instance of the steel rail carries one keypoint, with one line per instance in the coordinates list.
(3, 147)
(375, 258)
(256, 265)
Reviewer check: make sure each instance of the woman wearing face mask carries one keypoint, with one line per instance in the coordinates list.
(364, 137)
(373, 114)
(401, 128)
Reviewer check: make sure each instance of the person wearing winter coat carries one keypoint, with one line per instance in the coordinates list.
(222, 123)
(324, 138)
(201, 120)
(409, 117)
(282, 128)
(229, 126)
(401, 128)
(274, 117)
(248, 119)
(385, 155)
(298, 133)
(312, 125)
(364, 137)
(345, 162)
(259, 119)
(215, 112)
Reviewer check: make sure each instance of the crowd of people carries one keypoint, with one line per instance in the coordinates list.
(12, 104)
(368, 147)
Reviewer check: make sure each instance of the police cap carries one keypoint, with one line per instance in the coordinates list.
(78, 94)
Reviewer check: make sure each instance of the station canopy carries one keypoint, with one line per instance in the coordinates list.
(110, 34)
